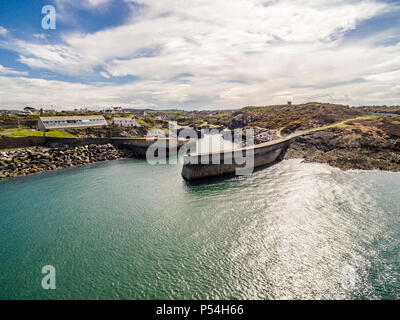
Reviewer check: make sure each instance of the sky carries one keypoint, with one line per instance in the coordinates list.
(199, 54)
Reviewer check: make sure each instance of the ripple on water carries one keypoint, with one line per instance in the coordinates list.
(124, 229)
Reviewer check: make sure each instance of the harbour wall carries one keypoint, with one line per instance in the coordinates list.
(200, 166)
(138, 146)
(24, 142)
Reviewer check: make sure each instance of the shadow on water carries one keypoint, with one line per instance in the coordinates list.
(223, 182)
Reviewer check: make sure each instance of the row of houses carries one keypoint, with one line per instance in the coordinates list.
(65, 122)
(14, 112)
(26, 112)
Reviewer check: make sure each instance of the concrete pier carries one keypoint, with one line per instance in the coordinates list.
(138, 146)
(264, 154)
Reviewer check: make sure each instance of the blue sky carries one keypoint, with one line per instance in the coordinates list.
(199, 54)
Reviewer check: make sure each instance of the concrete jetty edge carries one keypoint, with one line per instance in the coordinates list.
(203, 165)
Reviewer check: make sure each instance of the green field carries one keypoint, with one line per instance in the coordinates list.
(28, 133)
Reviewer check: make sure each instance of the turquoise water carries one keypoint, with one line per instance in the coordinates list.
(127, 230)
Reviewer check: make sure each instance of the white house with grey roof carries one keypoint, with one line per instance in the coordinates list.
(65, 122)
(125, 122)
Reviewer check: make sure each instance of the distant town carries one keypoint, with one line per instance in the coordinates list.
(110, 110)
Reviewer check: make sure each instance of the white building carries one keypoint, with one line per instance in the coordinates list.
(125, 122)
(51, 123)
(83, 110)
(113, 110)
(107, 110)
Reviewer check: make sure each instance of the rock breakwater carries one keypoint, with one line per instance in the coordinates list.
(27, 161)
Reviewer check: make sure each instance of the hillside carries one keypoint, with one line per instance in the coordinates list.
(292, 117)
(358, 144)
(382, 109)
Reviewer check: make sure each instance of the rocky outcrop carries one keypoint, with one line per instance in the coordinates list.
(34, 160)
(238, 121)
(349, 149)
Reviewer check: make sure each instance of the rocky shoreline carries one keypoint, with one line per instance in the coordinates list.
(28, 161)
(361, 146)
(349, 149)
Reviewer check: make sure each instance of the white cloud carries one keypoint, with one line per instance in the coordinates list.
(3, 31)
(65, 8)
(95, 3)
(105, 75)
(9, 71)
(79, 3)
(40, 36)
(228, 54)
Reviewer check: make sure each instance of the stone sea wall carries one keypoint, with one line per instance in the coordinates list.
(24, 142)
(76, 142)
(35, 160)
(37, 154)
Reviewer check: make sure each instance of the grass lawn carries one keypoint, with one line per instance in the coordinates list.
(213, 126)
(27, 133)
